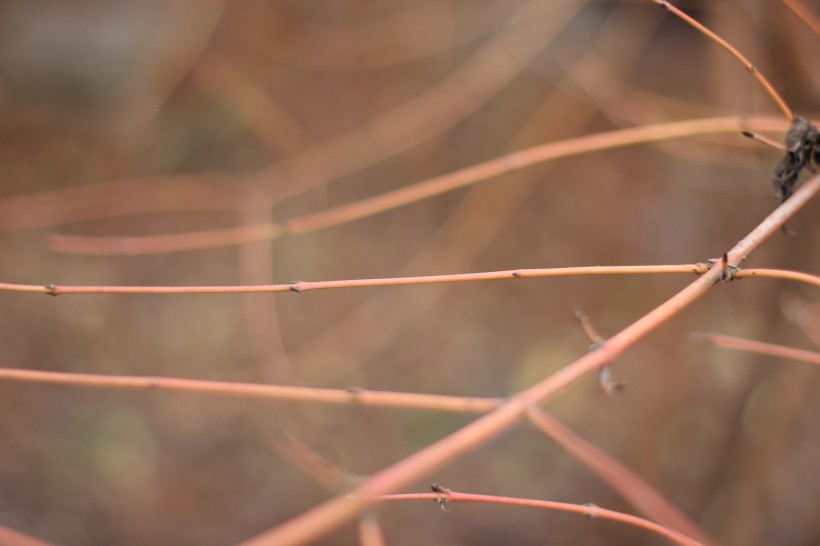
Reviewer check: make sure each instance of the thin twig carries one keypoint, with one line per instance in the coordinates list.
(759, 347)
(508, 274)
(798, 276)
(460, 404)
(767, 86)
(757, 137)
(605, 382)
(588, 510)
(306, 286)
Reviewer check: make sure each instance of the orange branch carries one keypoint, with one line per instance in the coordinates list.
(461, 404)
(589, 510)
(758, 347)
(752, 69)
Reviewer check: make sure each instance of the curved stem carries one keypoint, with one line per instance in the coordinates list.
(759, 347)
(590, 511)
(761, 79)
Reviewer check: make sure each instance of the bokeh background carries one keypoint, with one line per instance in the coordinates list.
(158, 117)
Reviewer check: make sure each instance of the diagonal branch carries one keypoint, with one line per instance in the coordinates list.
(759, 347)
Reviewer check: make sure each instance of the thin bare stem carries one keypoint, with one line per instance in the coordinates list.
(306, 286)
(759, 347)
(323, 518)
(643, 497)
(409, 194)
(311, 464)
(770, 90)
(757, 137)
(779, 274)
(804, 15)
(508, 274)
(588, 328)
(459, 404)
(588, 510)
(605, 382)
(370, 532)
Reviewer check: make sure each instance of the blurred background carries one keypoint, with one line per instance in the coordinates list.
(164, 117)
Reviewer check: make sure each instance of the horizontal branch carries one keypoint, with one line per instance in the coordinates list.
(759, 347)
(361, 397)
(306, 286)
(798, 276)
(588, 510)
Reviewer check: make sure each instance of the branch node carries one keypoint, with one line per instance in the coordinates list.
(51, 290)
(516, 274)
(727, 272)
(295, 286)
(592, 509)
(355, 393)
(441, 495)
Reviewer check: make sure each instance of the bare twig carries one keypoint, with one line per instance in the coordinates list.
(252, 390)
(769, 88)
(757, 137)
(759, 347)
(605, 382)
(509, 274)
(779, 274)
(306, 286)
(588, 510)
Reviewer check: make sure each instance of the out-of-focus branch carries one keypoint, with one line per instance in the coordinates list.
(459, 404)
(409, 194)
(809, 18)
(759, 347)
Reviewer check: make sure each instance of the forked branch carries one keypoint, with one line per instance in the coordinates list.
(329, 515)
